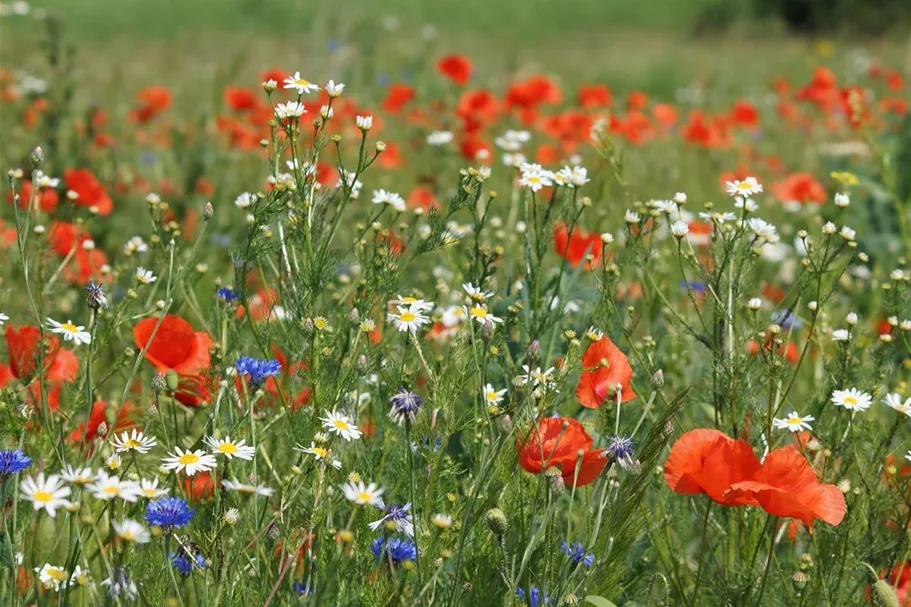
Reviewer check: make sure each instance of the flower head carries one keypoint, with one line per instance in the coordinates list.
(393, 549)
(852, 399)
(320, 453)
(14, 461)
(169, 512)
(744, 188)
(405, 406)
(131, 531)
(134, 441)
(363, 495)
(576, 551)
(409, 318)
(45, 493)
(96, 297)
(74, 333)
(257, 370)
(189, 462)
(338, 423)
(299, 84)
(397, 518)
(893, 400)
(794, 422)
(52, 577)
(186, 563)
(230, 448)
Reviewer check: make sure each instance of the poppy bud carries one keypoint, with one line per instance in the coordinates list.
(37, 158)
(882, 595)
(172, 380)
(799, 580)
(496, 520)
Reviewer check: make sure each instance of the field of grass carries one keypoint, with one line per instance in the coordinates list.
(554, 303)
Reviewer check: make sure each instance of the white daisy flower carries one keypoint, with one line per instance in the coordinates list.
(747, 187)
(245, 489)
(3, 318)
(149, 489)
(47, 493)
(631, 216)
(145, 277)
(747, 204)
(189, 462)
(113, 462)
(908, 456)
(439, 138)
(852, 399)
(408, 319)
(320, 453)
(334, 90)
(131, 531)
(842, 200)
(794, 422)
(476, 293)
(841, 335)
(365, 123)
(536, 376)
(292, 109)
(417, 304)
(299, 84)
(895, 401)
(51, 577)
(762, 229)
(231, 516)
(483, 317)
(246, 199)
(338, 423)
(492, 396)
(108, 487)
(441, 521)
(134, 441)
(680, 229)
(230, 449)
(535, 179)
(77, 476)
(76, 334)
(390, 198)
(369, 495)
(80, 577)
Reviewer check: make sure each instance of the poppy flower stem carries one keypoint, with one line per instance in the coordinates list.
(768, 562)
(705, 524)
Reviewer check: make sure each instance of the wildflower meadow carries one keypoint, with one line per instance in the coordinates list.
(445, 327)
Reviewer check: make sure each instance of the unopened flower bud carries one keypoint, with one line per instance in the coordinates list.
(208, 211)
(159, 383)
(799, 580)
(658, 380)
(37, 158)
(172, 380)
(496, 520)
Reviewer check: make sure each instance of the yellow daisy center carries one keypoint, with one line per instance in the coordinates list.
(149, 492)
(407, 317)
(340, 424)
(229, 448)
(302, 82)
(132, 443)
(112, 489)
(319, 451)
(850, 400)
(794, 420)
(479, 312)
(56, 573)
(744, 186)
(188, 458)
(42, 496)
(492, 396)
(69, 327)
(363, 496)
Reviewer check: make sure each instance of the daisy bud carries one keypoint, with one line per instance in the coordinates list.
(37, 158)
(905, 325)
(269, 85)
(607, 238)
(570, 599)
(679, 229)
(813, 306)
(380, 146)
(680, 198)
(496, 520)
(102, 429)
(851, 319)
(754, 304)
(842, 200)
(172, 380)
(39, 229)
(829, 229)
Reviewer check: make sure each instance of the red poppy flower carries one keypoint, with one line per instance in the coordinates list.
(46, 199)
(557, 442)
(200, 486)
(422, 198)
(665, 114)
(475, 149)
(745, 114)
(22, 346)
(709, 462)
(636, 100)
(152, 101)
(455, 67)
(397, 95)
(240, 99)
(89, 192)
(481, 106)
(573, 248)
(799, 187)
(175, 346)
(604, 367)
(261, 305)
(786, 486)
(596, 95)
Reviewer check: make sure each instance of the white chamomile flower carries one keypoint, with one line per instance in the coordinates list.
(292, 109)
(245, 200)
(480, 314)
(408, 319)
(762, 229)
(534, 178)
(52, 577)
(334, 90)
(300, 84)
(390, 198)
(320, 453)
(536, 376)
(3, 318)
(631, 216)
(842, 200)
(247, 489)
(135, 245)
(114, 462)
(80, 577)
(841, 335)
(189, 462)
(369, 495)
(338, 423)
(108, 487)
(231, 516)
(77, 476)
(365, 123)
(439, 138)
(680, 229)
(46, 493)
(149, 489)
(134, 441)
(908, 456)
(476, 293)
(76, 334)
(145, 277)
(492, 396)
(230, 448)
(794, 422)
(441, 521)
(852, 399)
(413, 302)
(131, 531)
(744, 188)
(747, 204)
(895, 401)
(847, 233)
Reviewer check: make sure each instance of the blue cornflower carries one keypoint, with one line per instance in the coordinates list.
(169, 512)
(183, 564)
(405, 405)
(621, 449)
(96, 297)
(228, 294)
(13, 461)
(697, 287)
(398, 516)
(787, 320)
(392, 549)
(120, 584)
(258, 370)
(536, 597)
(577, 553)
(302, 588)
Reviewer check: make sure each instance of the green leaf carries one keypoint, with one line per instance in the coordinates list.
(6, 551)
(599, 601)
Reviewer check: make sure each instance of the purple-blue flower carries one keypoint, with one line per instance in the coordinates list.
(13, 461)
(393, 549)
(169, 512)
(184, 565)
(227, 294)
(576, 551)
(405, 405)
(399, 516)
(536, 597)
(258, 370)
